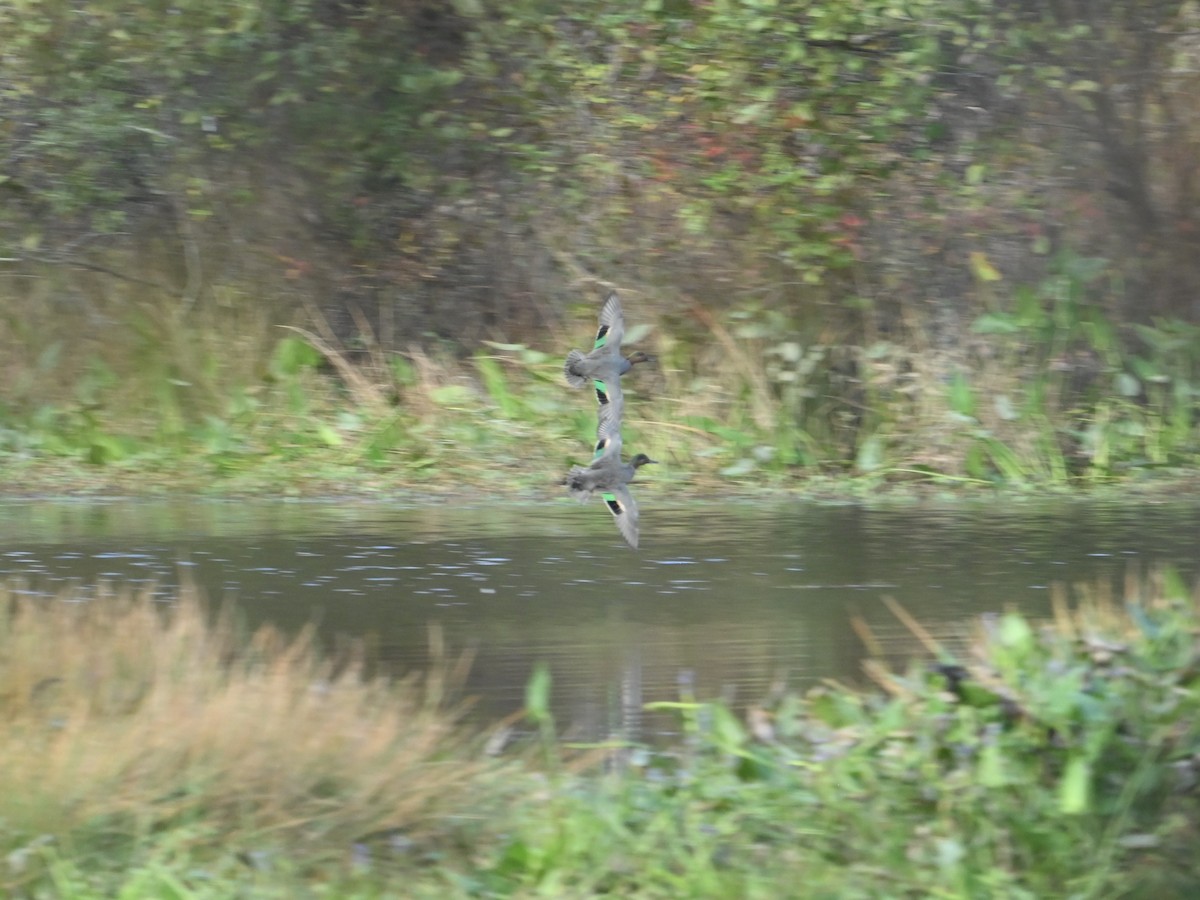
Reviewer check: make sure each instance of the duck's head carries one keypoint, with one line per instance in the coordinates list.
(641, 460)
(639, 357)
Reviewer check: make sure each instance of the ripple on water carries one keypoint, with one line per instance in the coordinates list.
(762, 592)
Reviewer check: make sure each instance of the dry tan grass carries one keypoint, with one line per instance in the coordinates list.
(138, 714)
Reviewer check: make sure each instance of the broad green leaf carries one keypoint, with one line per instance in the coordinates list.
(870, 454)
(537, 693)
(995, 323)
(451, 395)
(982, 268)
(1074, 790)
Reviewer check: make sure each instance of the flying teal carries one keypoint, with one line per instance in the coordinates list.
(604, 365)
(608, 475)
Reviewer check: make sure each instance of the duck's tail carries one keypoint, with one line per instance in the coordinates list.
(577, 485)
(574, 379)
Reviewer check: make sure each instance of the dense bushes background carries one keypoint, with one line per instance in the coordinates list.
(934, 235)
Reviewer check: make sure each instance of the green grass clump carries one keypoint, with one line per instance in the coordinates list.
(1053, 761)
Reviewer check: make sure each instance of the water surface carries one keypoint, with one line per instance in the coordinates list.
(728, 597)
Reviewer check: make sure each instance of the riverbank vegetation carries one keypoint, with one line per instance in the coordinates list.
(760, 414)
(930, 241)
(155, 750)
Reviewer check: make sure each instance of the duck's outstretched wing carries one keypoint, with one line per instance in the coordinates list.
(608, 339)
(605, 358)
(608, 433)
(609, 391)
(612, 325)
(625, 513)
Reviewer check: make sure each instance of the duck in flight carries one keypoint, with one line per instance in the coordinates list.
(611, 477)
(604, 365)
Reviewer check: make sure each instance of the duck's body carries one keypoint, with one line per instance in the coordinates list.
(608, 475)
(604, 365)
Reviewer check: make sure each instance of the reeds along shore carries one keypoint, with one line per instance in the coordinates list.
(124, 710)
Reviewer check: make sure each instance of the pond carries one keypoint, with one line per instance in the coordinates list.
(724, 598)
